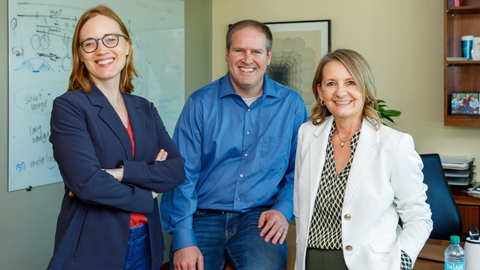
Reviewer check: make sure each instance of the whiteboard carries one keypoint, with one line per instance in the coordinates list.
(40, 34)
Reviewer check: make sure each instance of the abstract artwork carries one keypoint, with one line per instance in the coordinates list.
(297, 49)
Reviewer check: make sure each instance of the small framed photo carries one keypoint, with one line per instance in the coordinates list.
(471, 103)
(458, 105)
(465, 103)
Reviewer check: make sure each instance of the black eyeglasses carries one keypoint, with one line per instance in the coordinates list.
(110, 41)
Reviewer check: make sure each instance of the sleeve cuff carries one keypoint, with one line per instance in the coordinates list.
(183, 238)
(285, 208)
(406, 262)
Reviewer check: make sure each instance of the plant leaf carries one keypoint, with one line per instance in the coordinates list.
(393, 113)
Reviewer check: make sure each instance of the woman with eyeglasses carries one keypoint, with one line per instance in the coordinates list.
(114, 155)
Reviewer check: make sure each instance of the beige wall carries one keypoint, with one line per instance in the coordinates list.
(28, 219)
(403, 42)
(198, 44)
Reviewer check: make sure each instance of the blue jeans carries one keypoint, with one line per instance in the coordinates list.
(223, 236)
(138, 255)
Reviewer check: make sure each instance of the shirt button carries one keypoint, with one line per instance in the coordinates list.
(248, 110)
(347, 217)
(238, 199)
(248, 132)
(348, 248)
(246, 155)
(241, 175)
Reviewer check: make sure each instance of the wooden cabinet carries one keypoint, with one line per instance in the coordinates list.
(470, 215)
(469, 208)
(460, 76)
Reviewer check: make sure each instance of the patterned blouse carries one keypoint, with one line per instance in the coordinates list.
(326, 225)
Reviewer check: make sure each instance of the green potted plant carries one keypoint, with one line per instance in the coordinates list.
(386, 115)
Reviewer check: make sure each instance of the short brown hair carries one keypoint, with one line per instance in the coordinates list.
(254, 24)
(80, 75)
(358, 67)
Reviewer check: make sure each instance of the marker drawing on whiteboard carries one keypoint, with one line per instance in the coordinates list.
(38, 135)
(14, 23)
(35, 65)
(36, 102)
(21, 167)
(52, 56)
(17, 51)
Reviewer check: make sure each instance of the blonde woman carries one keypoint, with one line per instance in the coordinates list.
(355, 178)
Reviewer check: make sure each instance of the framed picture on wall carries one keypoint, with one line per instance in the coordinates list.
(298, 47)
(465, 103)
(471, 103)
(458, 105)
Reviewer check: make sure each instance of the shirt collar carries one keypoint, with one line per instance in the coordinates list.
(226, 87)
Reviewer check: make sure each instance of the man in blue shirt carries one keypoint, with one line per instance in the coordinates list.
(238, 136)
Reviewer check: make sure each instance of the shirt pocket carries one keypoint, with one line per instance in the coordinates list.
(274, 153)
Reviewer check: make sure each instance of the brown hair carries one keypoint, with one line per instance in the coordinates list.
(358, 67)
(80, 75)
(251, 23)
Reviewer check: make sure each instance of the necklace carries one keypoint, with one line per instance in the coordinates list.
(342, 144)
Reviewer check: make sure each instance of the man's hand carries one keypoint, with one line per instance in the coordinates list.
(275, 224)
(189, 258)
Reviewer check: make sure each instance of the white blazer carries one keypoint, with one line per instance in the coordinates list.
(385, 183)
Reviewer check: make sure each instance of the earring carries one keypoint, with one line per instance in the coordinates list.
(322, 102)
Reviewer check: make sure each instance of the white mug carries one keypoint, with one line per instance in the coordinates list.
(472, 254)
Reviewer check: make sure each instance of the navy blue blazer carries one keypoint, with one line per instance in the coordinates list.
(88, 135)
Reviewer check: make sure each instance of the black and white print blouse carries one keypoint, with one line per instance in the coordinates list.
(326, 225)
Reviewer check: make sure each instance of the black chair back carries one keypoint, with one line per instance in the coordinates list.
(445, 215)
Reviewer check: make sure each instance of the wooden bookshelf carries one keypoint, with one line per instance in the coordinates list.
(460, 76)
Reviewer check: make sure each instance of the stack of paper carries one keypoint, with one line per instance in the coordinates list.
(475, 192)
(459, 170)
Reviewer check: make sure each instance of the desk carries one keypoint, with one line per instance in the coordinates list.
(431, 256)
(469, 208)
(422, 264)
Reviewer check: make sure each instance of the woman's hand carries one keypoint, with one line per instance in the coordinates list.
(161, 156)
(118, 172)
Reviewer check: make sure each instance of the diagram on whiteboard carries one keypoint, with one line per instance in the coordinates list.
(40, 63)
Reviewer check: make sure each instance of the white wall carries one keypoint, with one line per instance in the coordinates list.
(402, 41)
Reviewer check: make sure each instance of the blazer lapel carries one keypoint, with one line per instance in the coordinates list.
(318, 147)
(137, 122)
(108, 114)
(364, 154)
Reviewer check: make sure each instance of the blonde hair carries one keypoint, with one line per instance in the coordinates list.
(358, 67)
(80, 75)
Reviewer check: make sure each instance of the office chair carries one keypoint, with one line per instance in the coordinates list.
(445, 215)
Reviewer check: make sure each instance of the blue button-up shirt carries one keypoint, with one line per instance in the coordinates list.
(237, 157)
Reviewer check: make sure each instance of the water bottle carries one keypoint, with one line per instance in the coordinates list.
(454, 255)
